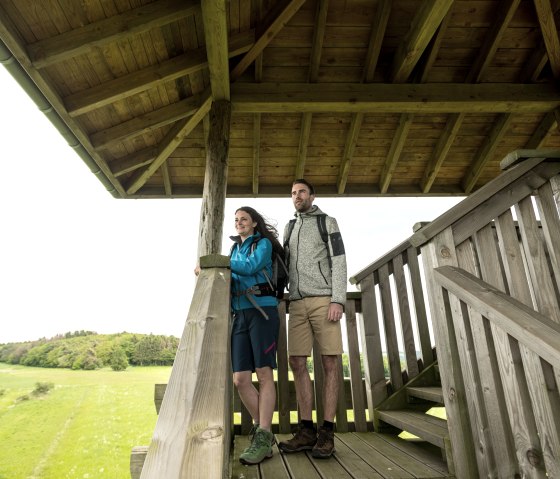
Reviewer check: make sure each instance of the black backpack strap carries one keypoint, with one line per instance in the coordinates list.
(291, 225)
(322, 225)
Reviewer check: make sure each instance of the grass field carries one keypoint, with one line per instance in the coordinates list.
(83, 428)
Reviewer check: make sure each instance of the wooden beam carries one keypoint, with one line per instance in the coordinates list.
(256, 151)
(486, 152)
(398, 98)
(215, 180)
(134, 161)
(378, 28)
(173, 139)
(151, 77)
(439, 153)
(549, 32)
(397, 145)
(498, 27)
(433, 48)
(216, 37)
(534, 65)
(351, 140)
(422, 29)
(83, 40)
(548, 124)
(318, 37)
(143, 123)
(287, 10)
(167, 185)
(303, 142)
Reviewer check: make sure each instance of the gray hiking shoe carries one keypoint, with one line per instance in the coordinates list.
(304, 439)
(260, 448)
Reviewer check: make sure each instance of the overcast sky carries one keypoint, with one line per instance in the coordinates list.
(72, 257)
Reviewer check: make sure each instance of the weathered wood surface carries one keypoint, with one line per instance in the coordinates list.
(367, 98)
(193, 428)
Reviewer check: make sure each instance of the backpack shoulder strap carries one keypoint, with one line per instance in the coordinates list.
(322, 225)
(291, 225)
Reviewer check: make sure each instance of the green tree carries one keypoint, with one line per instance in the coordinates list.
(118, 360)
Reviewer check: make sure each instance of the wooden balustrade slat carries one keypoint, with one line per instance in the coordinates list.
(370, 338)
(283, 379)
(547, 302)
(495, 353)
(550, 222)
(419, 306)
(341, 405)
(438, 252)
(409, 343)
(358, 404)
(393, 355)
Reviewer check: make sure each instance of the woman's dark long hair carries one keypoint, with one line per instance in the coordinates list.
(265, 228)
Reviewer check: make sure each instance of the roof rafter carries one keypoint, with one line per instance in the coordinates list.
(132, 22)
(545, 128)
(550, 34)
(485, 55)
(142, 80)
(149, 121)
(349, 147)
(216, 37)
(486, 151)
(172, 139)
(395, 152)
(394, 98)
(423, 28)
(274, 22)
(313, 73)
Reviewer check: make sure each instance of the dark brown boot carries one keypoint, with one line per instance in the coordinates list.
(325, 444)
(304, 439)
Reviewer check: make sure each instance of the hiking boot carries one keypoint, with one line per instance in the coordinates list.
(251, 436)
(259, 449)
(304, 439)
(325, 444)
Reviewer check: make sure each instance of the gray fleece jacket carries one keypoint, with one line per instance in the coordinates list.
(307, 259)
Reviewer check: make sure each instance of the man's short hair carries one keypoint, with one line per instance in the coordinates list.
(306, 183)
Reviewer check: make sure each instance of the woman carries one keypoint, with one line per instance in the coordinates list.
(255, 325)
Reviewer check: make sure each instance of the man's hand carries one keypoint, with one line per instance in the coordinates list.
(335, 312)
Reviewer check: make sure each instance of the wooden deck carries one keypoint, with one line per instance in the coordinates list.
(366, 455)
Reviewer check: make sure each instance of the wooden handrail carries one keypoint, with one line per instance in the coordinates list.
(537, 332)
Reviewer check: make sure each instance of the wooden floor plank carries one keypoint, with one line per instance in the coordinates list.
(422, 451)
(353, 463)
(298, 464)
(430, 393)
(238, 470)
(274, 468)
(374, 458)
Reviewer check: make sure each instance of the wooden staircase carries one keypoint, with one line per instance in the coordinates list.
(410, 409)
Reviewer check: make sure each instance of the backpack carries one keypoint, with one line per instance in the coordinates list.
(322, 225)
(279, 279)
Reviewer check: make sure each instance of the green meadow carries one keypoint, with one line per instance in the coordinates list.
(84, 427)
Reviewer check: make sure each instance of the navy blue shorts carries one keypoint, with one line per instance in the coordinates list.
(254, 339)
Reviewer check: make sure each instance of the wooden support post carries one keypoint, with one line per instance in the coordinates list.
(193, 431)
(215, 180)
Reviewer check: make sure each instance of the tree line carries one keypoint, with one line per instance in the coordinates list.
(88, 350)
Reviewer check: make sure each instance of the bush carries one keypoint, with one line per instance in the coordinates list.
(42, 388)
(118, 360)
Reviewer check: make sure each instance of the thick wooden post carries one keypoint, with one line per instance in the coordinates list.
(193, 432)
(215, 180)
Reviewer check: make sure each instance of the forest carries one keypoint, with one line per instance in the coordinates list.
(88, 350)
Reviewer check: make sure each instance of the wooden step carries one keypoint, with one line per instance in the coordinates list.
(428, 393)
(427, 427)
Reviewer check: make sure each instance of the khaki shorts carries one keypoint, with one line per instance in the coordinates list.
(308, 320)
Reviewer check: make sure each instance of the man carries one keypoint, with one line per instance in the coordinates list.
(317, 285)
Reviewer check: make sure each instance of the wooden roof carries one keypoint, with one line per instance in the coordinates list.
(362, 97)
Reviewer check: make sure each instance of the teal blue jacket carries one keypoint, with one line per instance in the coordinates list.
(247, 271)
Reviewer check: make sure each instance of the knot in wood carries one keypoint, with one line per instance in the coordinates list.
(211, 433)
(534, 457)
(451, 394)
(445, 253)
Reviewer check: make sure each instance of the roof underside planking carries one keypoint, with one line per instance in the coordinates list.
(361, 97)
